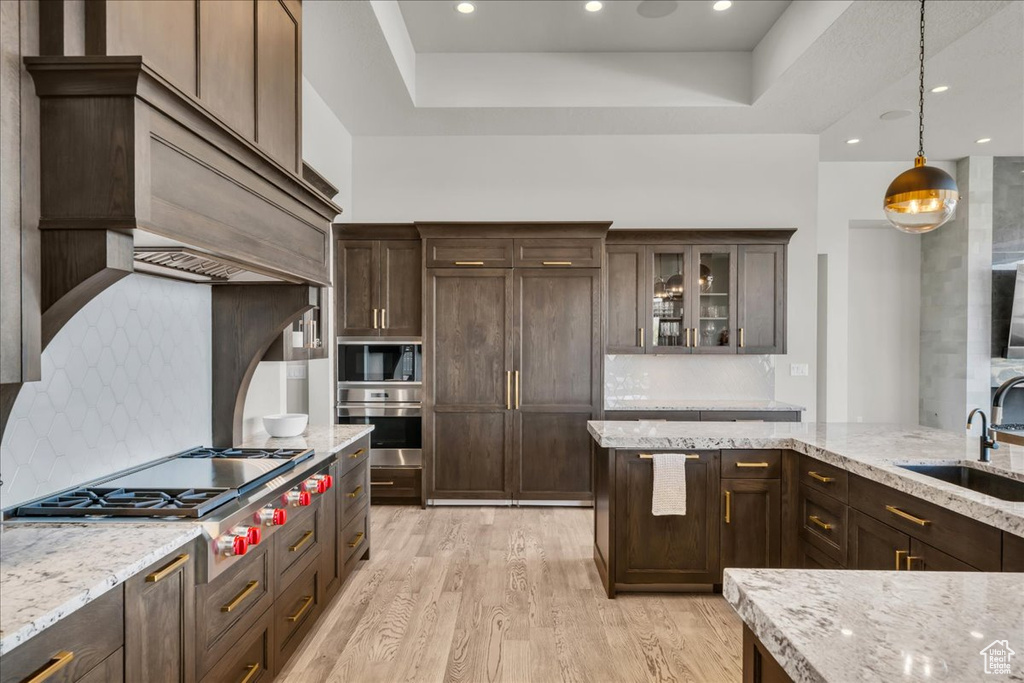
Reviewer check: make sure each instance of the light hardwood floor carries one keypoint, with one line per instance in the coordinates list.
(506, 594)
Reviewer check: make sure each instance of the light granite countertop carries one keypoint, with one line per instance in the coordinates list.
(50, 569)
(836, 625)
(873, 451)
(698, 404)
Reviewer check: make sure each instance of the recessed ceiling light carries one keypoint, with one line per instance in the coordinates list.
(593, 6)
(940, 88)
(853, 141)
(895, 114)
(982, 141)
(465, 7)
(722, 5)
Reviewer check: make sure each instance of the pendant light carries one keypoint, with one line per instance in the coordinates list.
(924, 197)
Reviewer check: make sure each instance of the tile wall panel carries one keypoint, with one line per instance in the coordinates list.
(713, 378)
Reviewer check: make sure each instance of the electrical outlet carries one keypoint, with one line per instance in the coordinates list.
(798, 370)
(296, 371)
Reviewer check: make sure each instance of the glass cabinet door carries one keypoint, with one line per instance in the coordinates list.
(670, 300)
(714, 298)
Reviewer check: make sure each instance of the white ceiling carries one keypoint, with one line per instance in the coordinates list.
(563, 26)
(834, 81)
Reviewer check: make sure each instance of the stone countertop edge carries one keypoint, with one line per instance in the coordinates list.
(673, 405)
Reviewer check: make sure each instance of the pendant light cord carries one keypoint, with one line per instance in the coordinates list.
(920, 92)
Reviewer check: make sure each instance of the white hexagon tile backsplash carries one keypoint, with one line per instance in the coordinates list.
(126, 381)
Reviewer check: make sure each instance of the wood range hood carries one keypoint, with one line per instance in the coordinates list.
(138, 176)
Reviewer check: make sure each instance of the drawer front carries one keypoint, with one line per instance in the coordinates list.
(251, 660)
(295, 610)
(110, 670)
(923, 557)
(478, 252)
(231, 604)
(354, 455)
(977, 544)
(823, 477)
(749, 416)
(392, 484)
(751, 464)
(823, 523)
(355, 536)
(564, 253)
(812, 558)
(298, 544)
(74, 646)
(653, 415)
(354, 492)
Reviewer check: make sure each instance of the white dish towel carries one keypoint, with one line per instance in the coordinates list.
(669, 495)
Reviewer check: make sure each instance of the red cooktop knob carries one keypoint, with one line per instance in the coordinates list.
(305, 498)
(280, 516)
(253, 535)
(321, 485)
(328, 481)
(239, 546)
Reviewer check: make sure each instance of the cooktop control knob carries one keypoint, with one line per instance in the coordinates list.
(253, 535)
(297, 498)
(271, 516)
(231, 544)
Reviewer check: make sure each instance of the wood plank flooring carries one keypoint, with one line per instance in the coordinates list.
(506, 594)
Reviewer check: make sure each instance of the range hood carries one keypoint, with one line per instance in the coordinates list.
(1015, 345)
(155, 255)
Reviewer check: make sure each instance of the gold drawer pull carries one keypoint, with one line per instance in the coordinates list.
(817, 520)
(356, 454)
(250, 672)
(910, 559)
(301, 542)
(907, 516)
(375, 318)
(355, 494)
(752, 464)
(508, 390)
(899, 556)
(56, 663)
(235, 601)
(650, 456)
(359, 539)
(556, 263)
(821, 478)
(383, 318)
(728, 507)
(169, 569)
(383, 483)
(469, 263)
(742, 342)
(306, 602)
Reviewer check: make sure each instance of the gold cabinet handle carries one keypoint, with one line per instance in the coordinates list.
(687, 337)
(169, 569)
(356, 454)
(469, 263)
(237, 600)
(556, 263)
(742, 344)
(907, 516)
(301, 542)
(899, 556)
(355, 493)
(728, 507)
(250, 672)
(650, 456)
(508, 390)
(695, 338)
(517, 390)
(911, 558)
(358, 539)
(306, 602)
(823, 479)
(752, 465)
(817, 520)
(383, 318)
(383, 483)
(641, 331)
(56, 663)
(375, 319)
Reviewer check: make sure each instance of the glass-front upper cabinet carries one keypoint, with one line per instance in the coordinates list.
(714, 298)
(670, 273)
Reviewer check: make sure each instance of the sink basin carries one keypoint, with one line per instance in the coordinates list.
(981, 481)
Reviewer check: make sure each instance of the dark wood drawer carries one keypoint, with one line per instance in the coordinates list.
(110, 670)
(72, 647)
(977, 544)
(749, 416)
(295, 610)
(655, 415)
(355, 536)
(923, 557)
(1013, 553)
(475, 252)
(230, 605)
(354, 492)
(396, 484)
(553, 252)
(823, 523)
(297, 544)
(251, 659)
(354, 454)
(812, 558)
(823, 477)
(751, 464)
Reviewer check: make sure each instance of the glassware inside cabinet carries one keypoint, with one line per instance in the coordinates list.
(715, 299)
(669, 303)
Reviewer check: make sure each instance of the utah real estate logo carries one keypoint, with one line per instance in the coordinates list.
(997, 656)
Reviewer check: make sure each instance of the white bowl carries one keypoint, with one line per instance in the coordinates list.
(286, 424)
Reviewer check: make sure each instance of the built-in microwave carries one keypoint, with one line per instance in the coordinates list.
(360, 362)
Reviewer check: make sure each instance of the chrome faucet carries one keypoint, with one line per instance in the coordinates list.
(1000, 396)
(988, 444)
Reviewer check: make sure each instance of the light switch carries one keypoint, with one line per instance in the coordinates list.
(798, 370)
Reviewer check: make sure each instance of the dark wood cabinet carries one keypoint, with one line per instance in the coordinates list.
(251, 660)
(873, 545)
(379, 285)
(357, 287)
(822, 523)
(396, 485)
(751, 525)
(332, 568)
(1013, 553)
(626, 326)
(761, 299)
(924, 557)
(159, 618)
(227, 62)
(554, 252)
(468, 252)
(401, 288)
(278, 81)
(758, 664)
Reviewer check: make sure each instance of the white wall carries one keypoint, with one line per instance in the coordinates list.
(707, 181)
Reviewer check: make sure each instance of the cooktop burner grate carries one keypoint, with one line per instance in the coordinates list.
(296, 454)
(123, 502)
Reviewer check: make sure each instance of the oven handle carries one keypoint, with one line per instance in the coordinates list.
(393, 410)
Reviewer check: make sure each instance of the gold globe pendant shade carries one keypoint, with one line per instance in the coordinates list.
(921, 199)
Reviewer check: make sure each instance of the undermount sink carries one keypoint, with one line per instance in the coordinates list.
(981, 481)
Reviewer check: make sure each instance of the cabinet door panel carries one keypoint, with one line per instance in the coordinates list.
(627, 301)
(751, 523)
(470, 455)
(873, 545)
(712, 292)
(277, 83)
(227, 63)
(761, 299)
(553, 456)
(357, 287)
(401, 283)
(668, 279)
